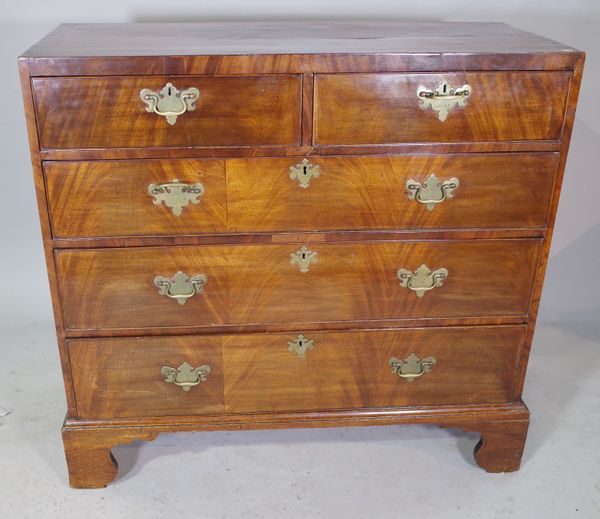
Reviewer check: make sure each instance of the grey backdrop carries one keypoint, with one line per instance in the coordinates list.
(355, 473)
(572, 283)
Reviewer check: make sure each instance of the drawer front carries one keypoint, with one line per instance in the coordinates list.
(129, 198)
(468, 191)
(247, 284)
(356, 109)
(109, 113)
(121, 378)
(169, 376)
(347, 370)
(132, 198)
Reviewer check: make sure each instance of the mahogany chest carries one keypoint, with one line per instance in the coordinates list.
(270, 225)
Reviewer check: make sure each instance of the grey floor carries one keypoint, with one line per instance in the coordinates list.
(373, 472)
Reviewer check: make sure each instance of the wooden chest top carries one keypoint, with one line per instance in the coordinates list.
(245, 47)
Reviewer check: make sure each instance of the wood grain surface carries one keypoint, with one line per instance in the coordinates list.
(113, 288)
(355, 109)
(350, 369)
(298, 46)
(496, 191)
(107, 113)
(91, 463)
(122, 377)
(226, 152)
(110, 198)
(284, 37)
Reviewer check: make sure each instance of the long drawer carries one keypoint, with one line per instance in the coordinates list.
(158, 287)
(462, 191)
(109, 112)
(360, 109)
(161, 376)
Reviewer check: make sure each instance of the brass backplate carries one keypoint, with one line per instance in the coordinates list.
(181, 286)
(304, 172)
(422, 280)
(170, 102)
(431, 192)
(185, 376)
(303, 258)
(176, 195)
(413, 367)
(301, 345)
(444, 98)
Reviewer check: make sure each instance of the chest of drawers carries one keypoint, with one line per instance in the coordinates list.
(282, 225)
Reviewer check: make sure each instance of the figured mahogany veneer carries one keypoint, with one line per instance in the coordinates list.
(497, 191)
(349, 370)
(343, 97)
(258, 373)
(116, 378)
(109, 198)
(105, 113)
(356, 109)
(114, 288)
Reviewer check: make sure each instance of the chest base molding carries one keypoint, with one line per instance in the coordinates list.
(503, 430)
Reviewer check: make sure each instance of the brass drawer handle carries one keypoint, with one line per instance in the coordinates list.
(444, 98)
(422, 280)
(180, 287)
(303, 258)
(176, 195)
(185, 376)
(301, 345)
(170, 102)
(431, 192)
(303, 172)
(413, 367)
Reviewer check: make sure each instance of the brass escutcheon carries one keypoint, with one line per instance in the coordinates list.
(301, 345)
(303, 258)
(185, 376)
(170, 102)
(303, 172)
(413, 367)
(180, 287)
(431, 192)
(422, 280)
(443, 99)
(176, 195)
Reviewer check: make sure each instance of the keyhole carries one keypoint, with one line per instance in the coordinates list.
(300, 343)
(445, 88)
(304, 255)
(304, 170)
(169, 92)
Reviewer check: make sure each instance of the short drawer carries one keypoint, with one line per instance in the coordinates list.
(119, 378)
(294, 283)
(101, 112)
(345, 370)
(361, 109)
